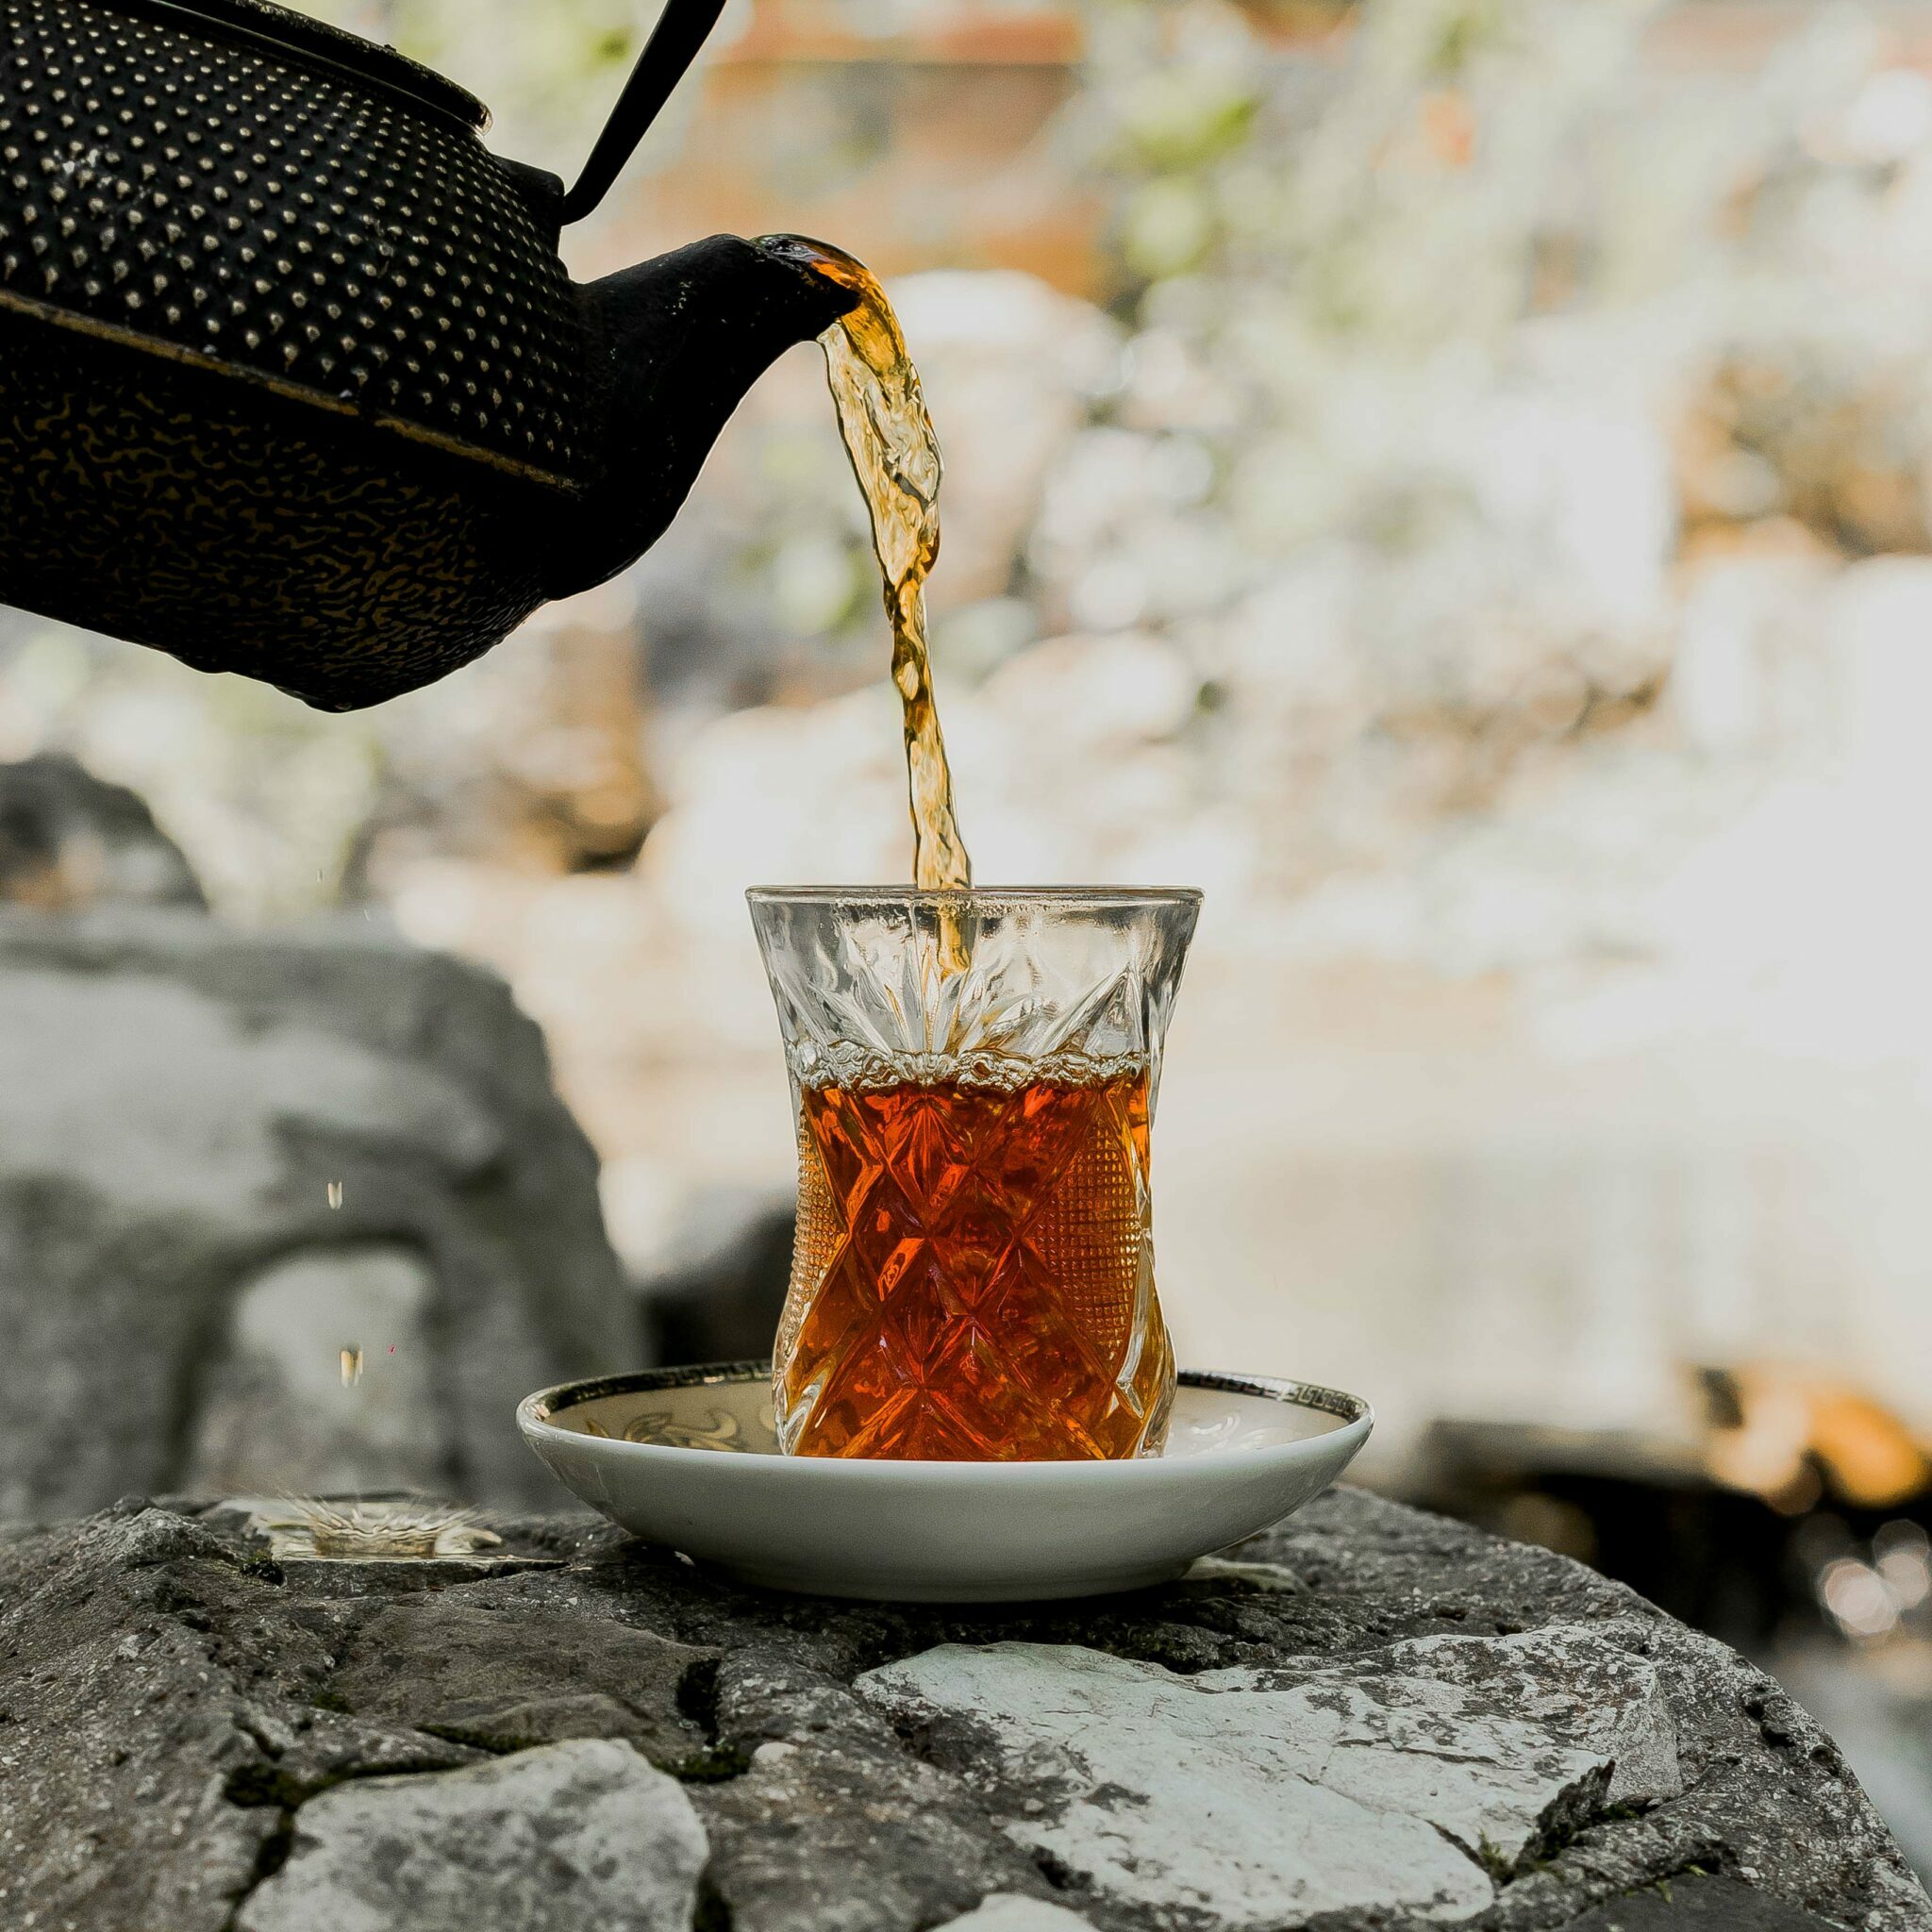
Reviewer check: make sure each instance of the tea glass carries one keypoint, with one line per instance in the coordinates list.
(974, 1077)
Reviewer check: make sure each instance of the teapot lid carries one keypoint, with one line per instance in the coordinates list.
(265, 23)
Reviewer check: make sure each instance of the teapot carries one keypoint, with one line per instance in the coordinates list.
(292, 380)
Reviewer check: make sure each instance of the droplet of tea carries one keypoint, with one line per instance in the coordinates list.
(335, 1193)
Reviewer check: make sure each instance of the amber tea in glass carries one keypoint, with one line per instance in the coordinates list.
(972, 1274)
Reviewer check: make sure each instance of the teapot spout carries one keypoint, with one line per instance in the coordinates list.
(678, 342)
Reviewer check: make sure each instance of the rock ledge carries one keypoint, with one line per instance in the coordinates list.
(1375, 1719)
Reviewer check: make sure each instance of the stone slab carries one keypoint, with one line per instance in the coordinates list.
(1007, 1911)
(574, 1834)
(1413, 1778)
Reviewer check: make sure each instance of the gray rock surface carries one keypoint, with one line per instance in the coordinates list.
(1697, 1904)
(485, 1678)
(274, 1411)
(583, 1832)
(69, 840)
(714, 1290)
(1007, 1911)
(1374, 1719)
(177, 1288)
(1410, 1775)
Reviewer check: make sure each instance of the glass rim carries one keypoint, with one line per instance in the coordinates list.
(967, 895)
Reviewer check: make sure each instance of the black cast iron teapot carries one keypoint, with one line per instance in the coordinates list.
(292, 382)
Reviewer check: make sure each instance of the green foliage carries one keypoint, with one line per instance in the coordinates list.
(1184, 117)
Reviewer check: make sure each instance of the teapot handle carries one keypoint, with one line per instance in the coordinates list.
(673, 46)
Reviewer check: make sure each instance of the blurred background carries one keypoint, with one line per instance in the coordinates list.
(1453, 479)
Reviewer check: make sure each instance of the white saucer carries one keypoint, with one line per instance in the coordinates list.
(686, 1457)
